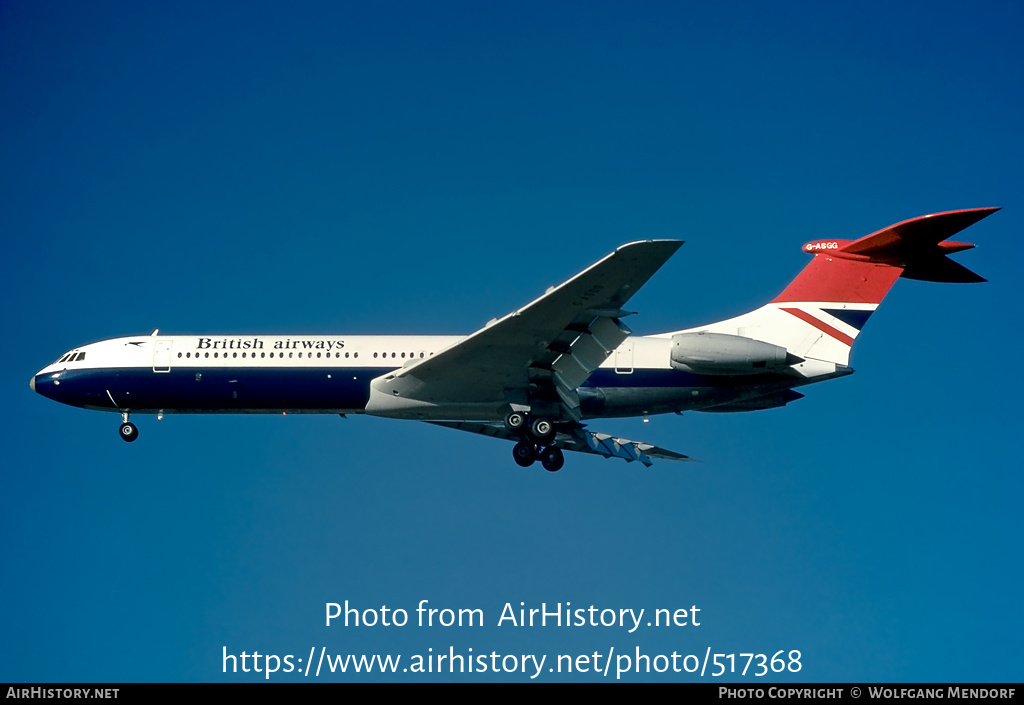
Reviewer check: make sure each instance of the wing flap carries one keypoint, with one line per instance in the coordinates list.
(577, 438)
(588, 351)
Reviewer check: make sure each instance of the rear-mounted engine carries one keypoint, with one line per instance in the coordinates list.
(721, 353)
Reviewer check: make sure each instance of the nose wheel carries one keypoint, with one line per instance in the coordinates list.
(128, 431)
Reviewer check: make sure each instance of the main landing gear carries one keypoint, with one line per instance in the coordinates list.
(536, 444)
(129, 432)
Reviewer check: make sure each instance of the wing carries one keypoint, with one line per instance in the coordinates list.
(536, 355)
(576, 437)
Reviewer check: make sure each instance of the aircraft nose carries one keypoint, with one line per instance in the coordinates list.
(32, 383)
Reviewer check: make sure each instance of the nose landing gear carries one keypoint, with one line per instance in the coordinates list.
(129, 432)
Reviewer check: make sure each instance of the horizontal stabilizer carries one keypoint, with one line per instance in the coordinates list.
(917, 236)
(940, 269)
(917, 246)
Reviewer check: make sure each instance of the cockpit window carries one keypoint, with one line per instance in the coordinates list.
(71, 357)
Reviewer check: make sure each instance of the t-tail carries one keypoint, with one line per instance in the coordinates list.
(819, 315)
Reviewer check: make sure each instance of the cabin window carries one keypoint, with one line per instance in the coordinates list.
(79, 357)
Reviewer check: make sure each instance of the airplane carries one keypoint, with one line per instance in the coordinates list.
(536, 375)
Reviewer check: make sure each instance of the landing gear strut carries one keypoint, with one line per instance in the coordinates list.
(129, 432)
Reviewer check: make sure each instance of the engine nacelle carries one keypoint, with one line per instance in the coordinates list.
(724, 354)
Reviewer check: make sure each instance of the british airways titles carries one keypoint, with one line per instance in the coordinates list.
(258, 344)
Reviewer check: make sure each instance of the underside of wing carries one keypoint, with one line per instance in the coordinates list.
(535, 357)
(576, 437)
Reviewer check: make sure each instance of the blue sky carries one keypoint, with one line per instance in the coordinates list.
(349, 168)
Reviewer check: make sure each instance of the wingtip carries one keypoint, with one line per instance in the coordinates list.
(675, 244)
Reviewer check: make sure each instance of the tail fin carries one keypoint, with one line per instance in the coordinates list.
(821, 312)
